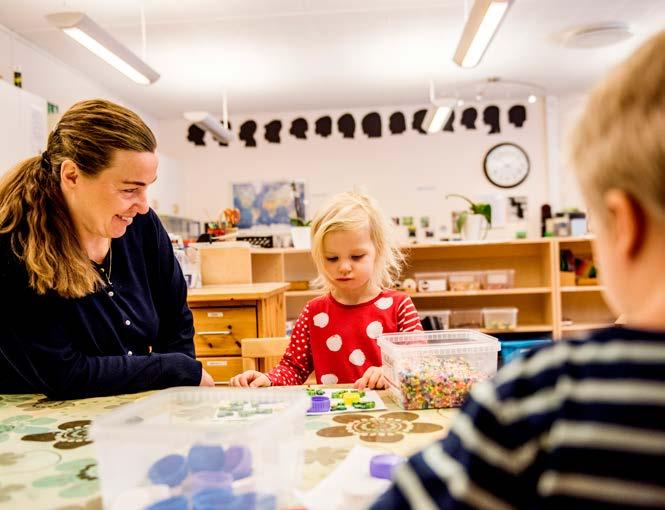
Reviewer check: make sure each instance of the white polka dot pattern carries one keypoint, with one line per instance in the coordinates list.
(357, 357)
(384, 303)
(374, 329)
(334, 343)
(329, 379)
(321, 320)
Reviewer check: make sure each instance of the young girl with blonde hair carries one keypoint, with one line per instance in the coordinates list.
(335, 335)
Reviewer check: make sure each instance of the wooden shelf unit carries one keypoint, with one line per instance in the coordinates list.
(582, 304)
(537, 293)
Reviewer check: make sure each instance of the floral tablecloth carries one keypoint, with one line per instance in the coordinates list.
(47, 460)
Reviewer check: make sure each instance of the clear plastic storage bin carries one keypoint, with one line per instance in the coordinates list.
(436, 369)
(500, 318)
(431, 282)
(465, 280)
(240, 448)
(499, 279)
(466, 318)
(435, 319)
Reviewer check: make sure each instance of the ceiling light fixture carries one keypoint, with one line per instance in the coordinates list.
(481, 26)
(438, 113)
(207, 122)
(86, 32)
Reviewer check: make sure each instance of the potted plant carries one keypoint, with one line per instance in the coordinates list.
(474, 223)
(300, 228)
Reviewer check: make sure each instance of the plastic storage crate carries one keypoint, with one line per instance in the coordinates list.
(465, 280)
(499, 279)
(500, 318)
(431, 282)
(179, 443)
(435, 319)
(466, 318)
(513, 349)
(436, 369)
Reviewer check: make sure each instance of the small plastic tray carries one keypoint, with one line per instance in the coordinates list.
(465, 280)
(500, 318)
(466, 318)
(499, 279)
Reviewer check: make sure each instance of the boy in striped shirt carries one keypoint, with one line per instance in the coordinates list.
(580, 424)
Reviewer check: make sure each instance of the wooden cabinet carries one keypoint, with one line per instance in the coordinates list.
(225, 314)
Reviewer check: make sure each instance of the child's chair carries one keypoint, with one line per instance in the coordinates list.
(263, 354)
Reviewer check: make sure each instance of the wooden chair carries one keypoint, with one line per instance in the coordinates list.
(263, 354)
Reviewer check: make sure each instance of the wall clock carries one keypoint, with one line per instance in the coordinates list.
(506, 165)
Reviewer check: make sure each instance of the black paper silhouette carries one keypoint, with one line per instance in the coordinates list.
(247, 130)
(397, 123)
(195, 135)
(449, 123)
(491, 118)
(372, 125)
(299, 128)
(346, 125)
(323, 126)
(417, 123)
(517, 115)
(272, 131)
(469, 117)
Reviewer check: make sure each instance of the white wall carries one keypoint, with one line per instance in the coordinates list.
(48, 77)
(570, 107)
(409, 174)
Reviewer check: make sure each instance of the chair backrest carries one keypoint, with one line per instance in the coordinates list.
(258, 351)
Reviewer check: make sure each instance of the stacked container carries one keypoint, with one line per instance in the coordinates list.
(173, 445)
(500, 318)
(436, 369)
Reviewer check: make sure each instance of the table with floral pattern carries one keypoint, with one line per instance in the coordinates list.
(47, 459)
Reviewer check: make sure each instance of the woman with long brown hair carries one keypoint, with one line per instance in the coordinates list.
(92, 299)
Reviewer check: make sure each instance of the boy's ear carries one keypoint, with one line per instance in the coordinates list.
(69, 173)
(628, 222)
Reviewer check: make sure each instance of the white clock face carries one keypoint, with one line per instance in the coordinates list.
(506, 165)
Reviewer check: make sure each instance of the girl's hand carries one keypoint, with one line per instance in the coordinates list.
(372, 379)
(250, 379)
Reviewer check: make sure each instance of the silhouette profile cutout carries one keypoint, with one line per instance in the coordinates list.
(272, 131)
(397, 123)
(247, 130)
(491, 118)
(299, 128)
(346, 125)
(323, 126)
(469, 117)
(517, 115)
(195, 135)
(449, 123)
(417, 123)
(372, 125)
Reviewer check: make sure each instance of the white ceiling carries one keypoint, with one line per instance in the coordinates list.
(286, 55)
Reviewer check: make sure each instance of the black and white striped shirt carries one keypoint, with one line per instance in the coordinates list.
(580, 424)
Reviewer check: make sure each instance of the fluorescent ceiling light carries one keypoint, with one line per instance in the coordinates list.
(87, 33)
(436, 117)
(481, 25)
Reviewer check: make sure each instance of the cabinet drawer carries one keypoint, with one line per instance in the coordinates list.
(220, 330)
(222, 369)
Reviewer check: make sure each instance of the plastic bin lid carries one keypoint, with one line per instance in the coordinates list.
(498, 309)
(441, 343)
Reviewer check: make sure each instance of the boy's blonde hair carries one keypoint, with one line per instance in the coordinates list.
(619, 141)
(352, 211)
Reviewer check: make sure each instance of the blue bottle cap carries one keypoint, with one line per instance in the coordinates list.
(238, 461)
(206, 458)
(170, 470)
(174, 503)
(320, 404)
(213, 498)
(383, 466)
(208, 479)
